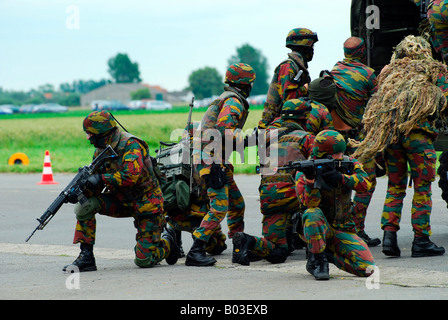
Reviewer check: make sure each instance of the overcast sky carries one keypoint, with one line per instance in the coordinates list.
(65, 40)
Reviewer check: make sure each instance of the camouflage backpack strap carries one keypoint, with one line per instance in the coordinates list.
(150, 162)
(228, 93)
(231, 93)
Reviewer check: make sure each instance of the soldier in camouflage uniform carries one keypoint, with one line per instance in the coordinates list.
(437, 14)
(278, 200)
(190, 219)
(291, 77)
(220, 131)
(318, 117)
(438, 18)
(328, 227)
(416, 86)
(355, 84)
(132, 190)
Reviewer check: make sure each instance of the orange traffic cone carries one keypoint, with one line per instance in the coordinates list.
(47, 173)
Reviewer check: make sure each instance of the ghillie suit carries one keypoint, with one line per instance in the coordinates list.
(408, 98)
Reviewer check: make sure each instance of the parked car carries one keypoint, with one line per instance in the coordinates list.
(115, 105)
(136, 104)
(204, 102)
(98, 104)
(12, 107)
(158, 105)
(257, 100)
(49, 108)
(27, 108)
(5, 110)
(108, 105)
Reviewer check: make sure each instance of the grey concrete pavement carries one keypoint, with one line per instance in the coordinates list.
(33, 270)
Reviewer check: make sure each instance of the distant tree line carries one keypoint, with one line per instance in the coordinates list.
(121, 70)
(207, 81)
(67, 94)
(204, 82)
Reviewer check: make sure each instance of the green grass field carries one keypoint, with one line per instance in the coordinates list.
(63, 137)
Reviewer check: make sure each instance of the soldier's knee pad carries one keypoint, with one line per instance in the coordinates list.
(144, 263)
(87, 210)
(148, 262)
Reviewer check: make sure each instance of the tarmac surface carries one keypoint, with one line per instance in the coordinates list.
(33, 270)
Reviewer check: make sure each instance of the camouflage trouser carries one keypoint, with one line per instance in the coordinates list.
(278, 202)
(350, 252)
(226, 200)
(417, 151)
(438, 17)
(190, 220)
(148, 220)
(361, 201)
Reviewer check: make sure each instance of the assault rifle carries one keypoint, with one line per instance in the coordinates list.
(74, 189)
(319, 166)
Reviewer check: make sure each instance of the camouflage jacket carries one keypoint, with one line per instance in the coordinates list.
(130, 175)
(334, 202)
(355, 83)
(318, 119)
(286, 141)
(225, 117)
(283, 87)
(438, 18)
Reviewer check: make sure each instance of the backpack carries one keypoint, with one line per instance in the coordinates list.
(176, 175)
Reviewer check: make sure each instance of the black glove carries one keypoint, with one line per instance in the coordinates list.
(94, 181)
(72, 198)
(309, 172)
(332, 177)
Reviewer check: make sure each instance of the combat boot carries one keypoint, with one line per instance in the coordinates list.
(242, 244)
(310, 263)
(322, 268)
(197, 256)
(369, 241)
(179, 243)
(423, 247)
(169, 235)
(390, 246)
(85, 260)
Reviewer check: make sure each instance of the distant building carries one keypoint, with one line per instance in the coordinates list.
(180, 96)
(122, 93)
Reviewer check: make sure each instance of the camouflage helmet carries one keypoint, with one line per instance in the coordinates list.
(301, 37)
(296, 109)
(99, 122)
(240, 73)
(328, 142)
